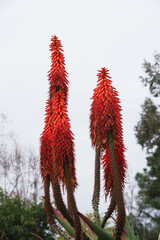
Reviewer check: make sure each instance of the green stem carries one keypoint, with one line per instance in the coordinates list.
(117, 189)
(59, 200)
(63, 222)
(101, 233)
(68, 204)
(48, 204)
(96, 193)
(129, 230)
(110, 210)
(53, 226)
(74, 211)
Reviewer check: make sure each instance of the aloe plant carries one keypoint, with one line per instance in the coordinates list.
(57, 159)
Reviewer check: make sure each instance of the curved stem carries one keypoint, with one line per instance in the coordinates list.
(68, 204)
(58, 198)
(49, 212)
(110, 210)
(117, 189)
(47, 203)
(74, 211)
(60, 203)
(96, 193)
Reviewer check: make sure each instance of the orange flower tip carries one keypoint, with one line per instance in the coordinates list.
(55, 44)
(103, 74)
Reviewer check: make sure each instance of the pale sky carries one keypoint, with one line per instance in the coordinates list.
(94, 34)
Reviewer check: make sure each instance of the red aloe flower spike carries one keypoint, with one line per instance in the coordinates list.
(47, 163)
(97, 140)
(57, 75)
(63, 150)
(58, 82)
(105, 117)
(101, 109)
(62, 140)
(105, 125)
(57, 148)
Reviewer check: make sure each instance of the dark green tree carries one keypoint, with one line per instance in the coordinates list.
(22, 219)
(152, 75)
(147, 132)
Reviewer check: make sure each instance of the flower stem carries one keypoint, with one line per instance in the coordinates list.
(47, 203)
(117, 189)
(54, 228)
(110, 210)
(74, 211)
(96, 193)
(59, 200)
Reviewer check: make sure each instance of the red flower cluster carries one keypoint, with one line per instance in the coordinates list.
(57, 145)
(105, 119)
(57, 75)
(62, 139)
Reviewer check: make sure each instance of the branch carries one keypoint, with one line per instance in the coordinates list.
(35, 235)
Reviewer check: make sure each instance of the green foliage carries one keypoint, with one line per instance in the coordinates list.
(90, 216)
(108, 228)
(19, 217)
(147, 132)
(148, 128)
(144, 230)
(130, 234)
(100, 232)
(152, 75)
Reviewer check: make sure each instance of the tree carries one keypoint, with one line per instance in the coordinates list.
(21, 219)
(147, 132)
(20, 185)
(6, 143)
(19, 166)
(152, 75)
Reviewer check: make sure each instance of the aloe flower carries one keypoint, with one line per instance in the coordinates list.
(57, 147)
(62, 138)
(57, 74)
(57, 139)
(106, 135)
(57, 77)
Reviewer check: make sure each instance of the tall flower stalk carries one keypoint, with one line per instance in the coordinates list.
(57, 147)
(106, 134)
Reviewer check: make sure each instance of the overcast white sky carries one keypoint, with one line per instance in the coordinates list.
(94, 34)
